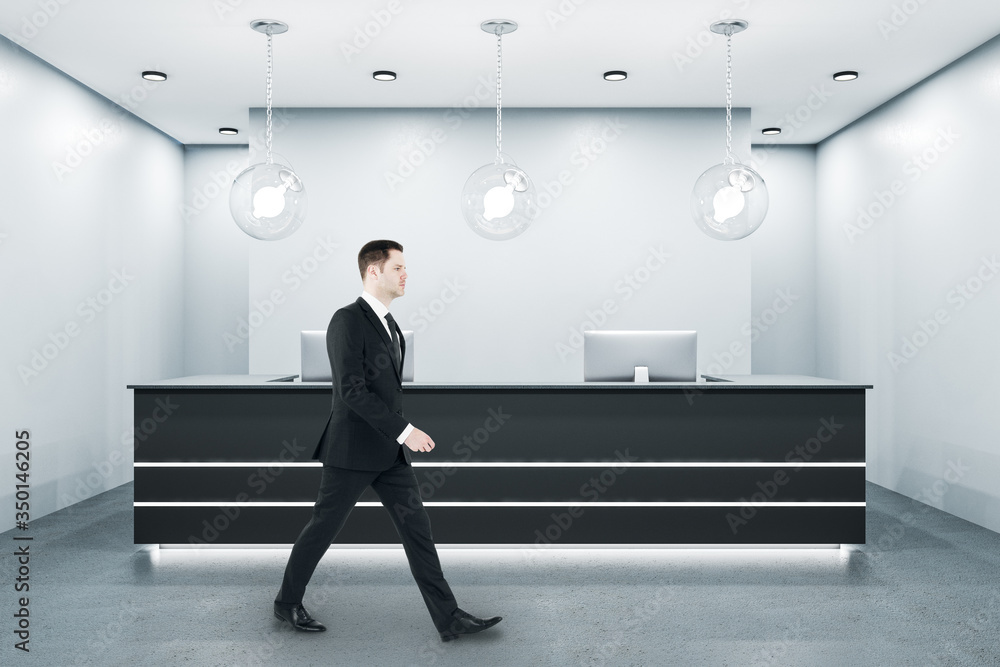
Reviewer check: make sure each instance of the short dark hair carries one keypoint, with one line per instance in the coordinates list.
(377, 253)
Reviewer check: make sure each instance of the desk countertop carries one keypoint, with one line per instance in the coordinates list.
(710, 383)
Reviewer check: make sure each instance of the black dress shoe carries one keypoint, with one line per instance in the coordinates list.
(463, 623)
(299, 618)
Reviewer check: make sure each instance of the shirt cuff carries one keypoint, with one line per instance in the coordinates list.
(405, 434)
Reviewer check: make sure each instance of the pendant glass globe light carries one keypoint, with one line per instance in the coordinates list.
(268, 199)
(498, 200)
(729, 200)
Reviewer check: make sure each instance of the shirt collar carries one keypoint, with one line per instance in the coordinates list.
(376, 305)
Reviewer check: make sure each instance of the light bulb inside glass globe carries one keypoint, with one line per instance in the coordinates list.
(268, 201)
(498, 201)
(729, 201)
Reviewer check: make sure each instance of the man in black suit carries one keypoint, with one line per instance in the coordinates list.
(367, 442)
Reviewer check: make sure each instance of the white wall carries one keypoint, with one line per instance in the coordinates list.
(216, 264)
(905, 224)
(783, 311)
(90, 263)
(512, 310)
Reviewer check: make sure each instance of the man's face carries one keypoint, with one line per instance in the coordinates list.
(392, 279)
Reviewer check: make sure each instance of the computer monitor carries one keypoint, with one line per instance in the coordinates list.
(613, 356)
(316, 362)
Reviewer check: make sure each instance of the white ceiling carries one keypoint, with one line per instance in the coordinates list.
(555, 59)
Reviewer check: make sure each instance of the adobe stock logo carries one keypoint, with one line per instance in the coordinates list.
(628, 286)
(784, 301)
(90, 140)
(38, 20)
(229, 514)
(768, 487)
(957, 299)
(562, 12)
(364, 34)
(913, 169)
(696, 45)
(899, 16)
(87, 310)
(590, 491)
(589, 150)
(296, 275)
(413, 154)
(435, 308)
(107, 130)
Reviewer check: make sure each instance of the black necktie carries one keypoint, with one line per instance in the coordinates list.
(395, 339)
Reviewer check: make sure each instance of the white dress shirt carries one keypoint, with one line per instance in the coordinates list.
(382, 311)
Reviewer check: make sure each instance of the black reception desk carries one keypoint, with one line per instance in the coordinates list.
(735, 460)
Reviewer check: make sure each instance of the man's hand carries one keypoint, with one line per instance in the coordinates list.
(418, 441)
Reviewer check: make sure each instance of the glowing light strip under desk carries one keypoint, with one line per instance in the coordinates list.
(519, 464)
(557, 503)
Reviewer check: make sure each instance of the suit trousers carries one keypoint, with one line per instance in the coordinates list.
(397, 488)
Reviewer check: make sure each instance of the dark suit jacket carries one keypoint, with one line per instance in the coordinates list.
(367, 413)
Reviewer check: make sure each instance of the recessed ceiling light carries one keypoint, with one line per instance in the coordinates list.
(771, 130)
(384, 75)
(228, 130)
(615, 75)
(846, 75)
(153, 75)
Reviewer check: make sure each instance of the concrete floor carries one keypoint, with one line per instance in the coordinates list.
(923, 591)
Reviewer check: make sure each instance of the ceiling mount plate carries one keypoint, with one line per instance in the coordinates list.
(729, 26)
(498, 26)
(269, 26)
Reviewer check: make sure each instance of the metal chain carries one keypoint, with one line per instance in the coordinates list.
(267, 135)
(499, 70)
(730, 158)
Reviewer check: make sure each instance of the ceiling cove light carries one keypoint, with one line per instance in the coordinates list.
(228, 131)
(268, 199)
(615, 75)
(153, 75)
(384, 75)
(729, 200)
(846, 75)
(498, 201)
